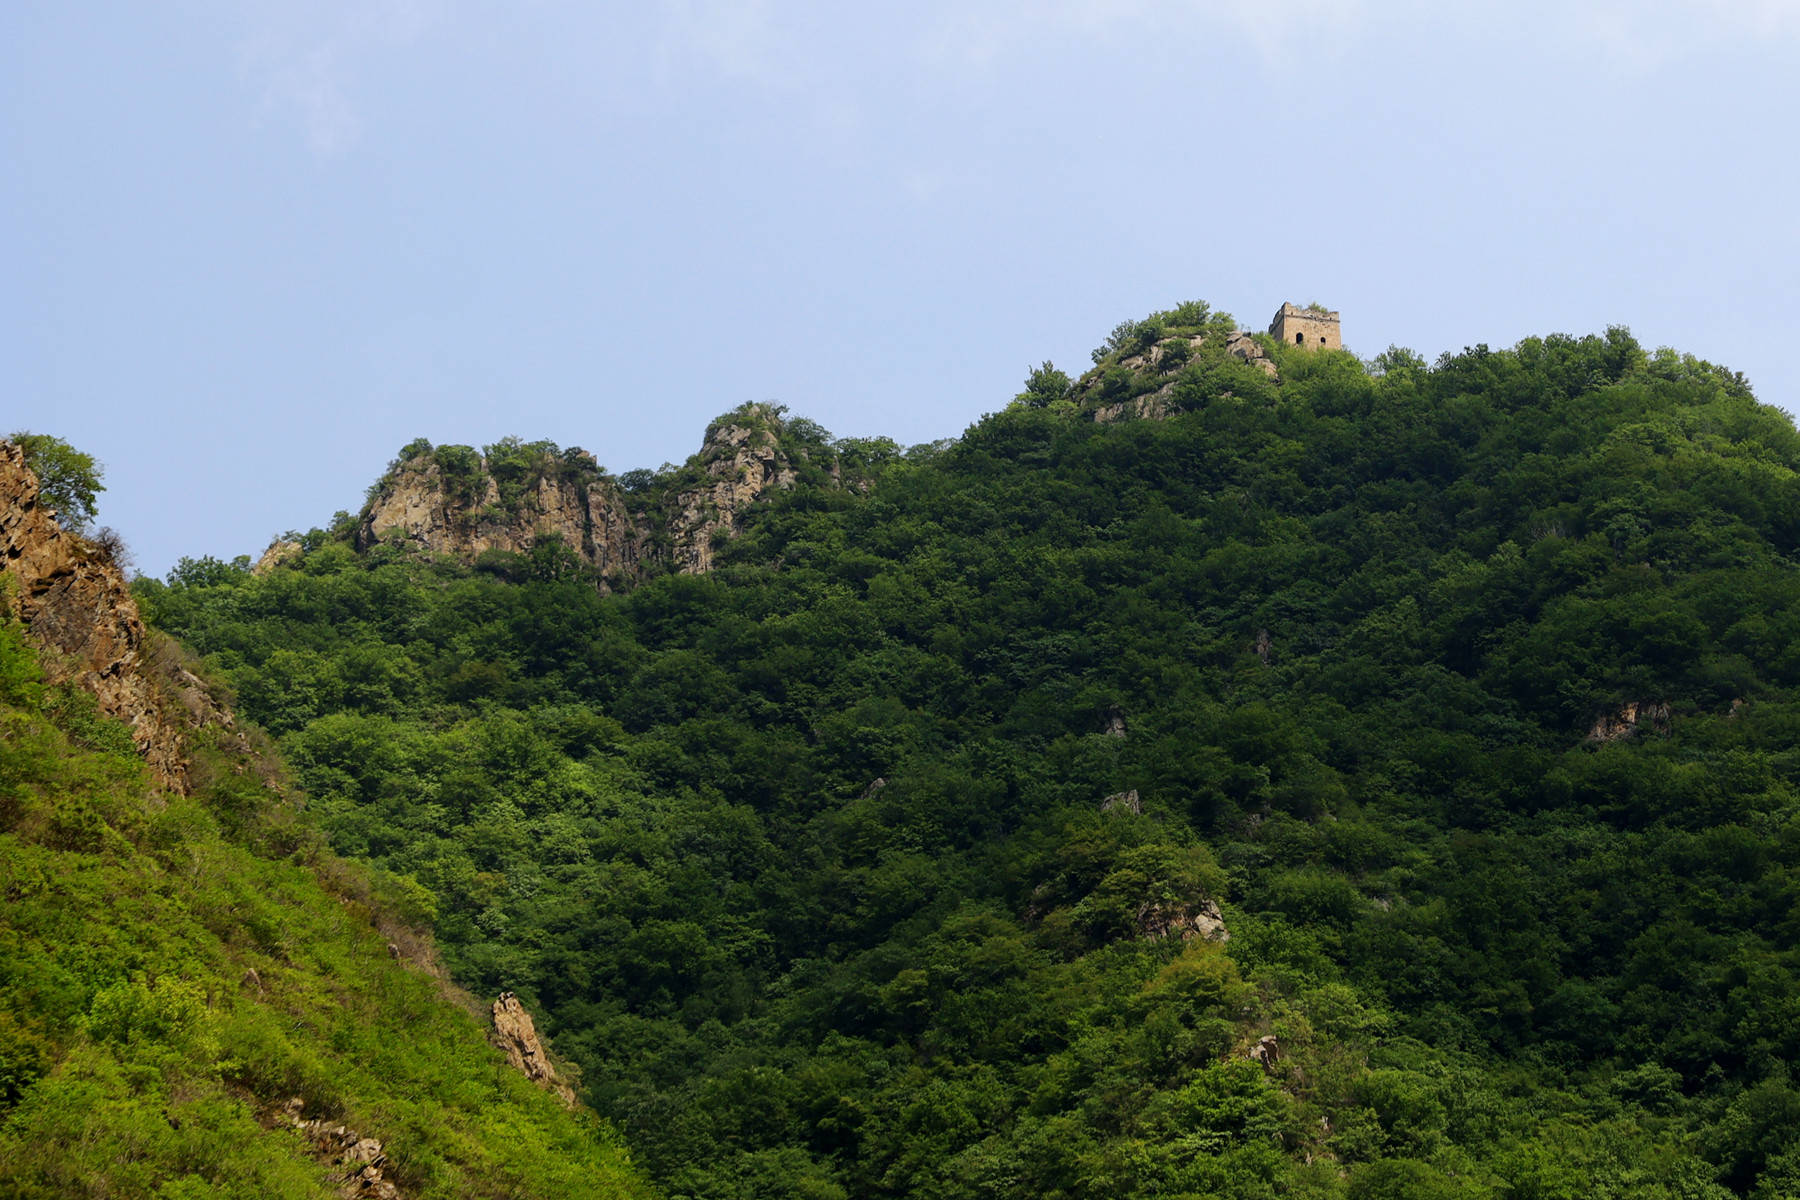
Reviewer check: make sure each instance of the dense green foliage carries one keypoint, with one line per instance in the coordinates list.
(138, 1054)
(805, 858)
(68, 479)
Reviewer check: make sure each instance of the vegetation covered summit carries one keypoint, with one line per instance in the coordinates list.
(1221, 774)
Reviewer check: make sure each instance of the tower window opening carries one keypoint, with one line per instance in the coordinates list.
(1299, 339)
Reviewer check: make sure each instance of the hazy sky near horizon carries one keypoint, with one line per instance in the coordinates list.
(252, 247)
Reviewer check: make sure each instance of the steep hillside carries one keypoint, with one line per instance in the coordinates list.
(196, 997)
(74, 602)
(1362, 780)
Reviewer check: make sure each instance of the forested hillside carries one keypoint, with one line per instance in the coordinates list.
(197, 998)
(887, 857)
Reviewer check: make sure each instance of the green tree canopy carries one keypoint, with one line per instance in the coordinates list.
(68, 480)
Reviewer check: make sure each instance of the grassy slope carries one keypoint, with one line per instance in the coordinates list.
(136, 1056)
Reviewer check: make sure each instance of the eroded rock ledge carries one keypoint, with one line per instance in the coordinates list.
(359, 1164)
(451, 501)
(516, 1034)
(77, 608)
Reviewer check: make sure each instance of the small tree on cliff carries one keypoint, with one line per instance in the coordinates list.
(68, 480)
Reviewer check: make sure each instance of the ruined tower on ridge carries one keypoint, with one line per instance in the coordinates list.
(1314, 327)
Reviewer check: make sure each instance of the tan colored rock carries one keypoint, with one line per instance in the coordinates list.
(1266, 1053)
(1246, 348)
(360, 1161)
(77, 608)
(279, 554)
(516, 1034)
(1152, 406)
(414, 503)
(743, 461)
(1208, 922)
(1158, 920)
(1163, 358)
(1629, 719)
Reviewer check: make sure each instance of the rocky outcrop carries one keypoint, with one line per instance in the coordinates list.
(76, 607)
(280, 553)
(1158, 920)
(1629, 720)
(359, 1164)
(428, 502)
(743, 461)
(1125, 801)
(515, 1033)
(449, 501)
(1141, 385)
(1152, 406)
(1245, 348)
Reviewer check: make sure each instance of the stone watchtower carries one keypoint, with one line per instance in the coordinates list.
(1314, 327)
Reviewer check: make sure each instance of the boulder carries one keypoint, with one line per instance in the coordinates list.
(516, 1034)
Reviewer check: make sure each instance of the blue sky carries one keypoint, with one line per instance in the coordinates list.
(252, 248)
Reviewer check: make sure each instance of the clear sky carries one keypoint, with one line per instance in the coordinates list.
(249, 248)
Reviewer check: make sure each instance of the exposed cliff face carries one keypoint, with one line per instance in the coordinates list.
(1197, 917)
(465, 516)
(743, 460)
(76, 606)
(279, 553)
(1634, 718)
(456, 505)
(515, 1033)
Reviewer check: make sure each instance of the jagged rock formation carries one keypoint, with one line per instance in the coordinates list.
(515, 1033)
(359, 1161)
(1245, 348)
(1141, 384)
(743, 460)
(76, 606)
(1152, 406)
(427, 501)
(1630, 719)
(279, 553)
(1157, 920)
(450, 501)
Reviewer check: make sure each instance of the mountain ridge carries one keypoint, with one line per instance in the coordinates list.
(840, 868)
(517, 497)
